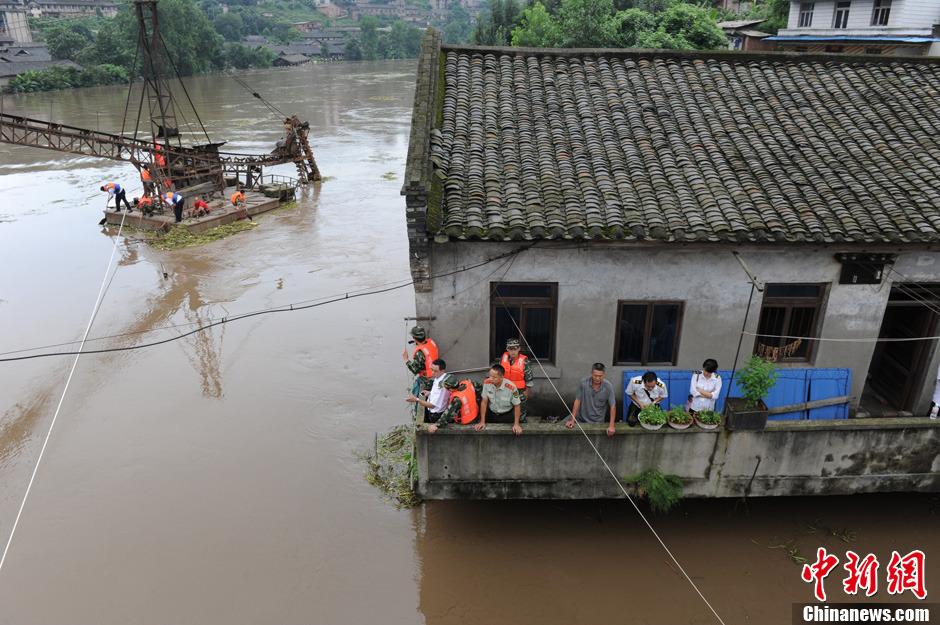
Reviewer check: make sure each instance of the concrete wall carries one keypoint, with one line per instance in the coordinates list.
(593, 277)
(788, 458)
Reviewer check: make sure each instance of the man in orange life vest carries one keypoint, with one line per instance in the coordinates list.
(463, 404)
(145, 204)
(238, 198)
(518, 372)
(114, 190)
(425, 353)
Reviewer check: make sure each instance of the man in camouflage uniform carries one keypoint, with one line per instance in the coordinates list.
(452, 411)
(519, 372)
(425, 353)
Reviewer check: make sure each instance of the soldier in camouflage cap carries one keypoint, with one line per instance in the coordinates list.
(518, 372)
(463, 407)
(425, 353)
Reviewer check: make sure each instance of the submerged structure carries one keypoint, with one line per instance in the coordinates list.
(651, 209)
(156, 144)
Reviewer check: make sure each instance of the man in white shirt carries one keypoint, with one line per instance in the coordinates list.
(437, 399)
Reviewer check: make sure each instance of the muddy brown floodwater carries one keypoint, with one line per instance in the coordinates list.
(213, 479)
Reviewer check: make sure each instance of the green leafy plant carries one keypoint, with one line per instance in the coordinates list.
(756, 379)
(652, 415)
(679, 416)
(708, 417)
(663, 491)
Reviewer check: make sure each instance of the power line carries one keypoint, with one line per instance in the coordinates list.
(286, 308)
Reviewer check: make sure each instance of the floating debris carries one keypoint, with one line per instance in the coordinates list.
(391, 466)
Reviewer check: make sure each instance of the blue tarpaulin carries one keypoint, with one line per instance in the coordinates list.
(794, 386)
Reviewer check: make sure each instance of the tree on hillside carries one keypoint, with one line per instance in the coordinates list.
(230, 25)
(494, 28)
(324, 49)
(457, 25)
(353, 50)
(538, 29)
(191, 40)
(587, 24)
(65, 42)
(368, 37)
(692, 25)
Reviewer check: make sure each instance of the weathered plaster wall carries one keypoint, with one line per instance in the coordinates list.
(592, 278)
(789, 458)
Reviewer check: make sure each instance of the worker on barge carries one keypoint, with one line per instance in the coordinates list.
(176, 201)
(119, 194)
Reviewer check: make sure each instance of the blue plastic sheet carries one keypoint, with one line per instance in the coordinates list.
(794, 386)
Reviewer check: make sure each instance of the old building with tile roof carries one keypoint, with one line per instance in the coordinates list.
(605, 204)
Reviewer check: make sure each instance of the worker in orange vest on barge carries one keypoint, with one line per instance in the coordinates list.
(518, 371)
(119, 194)
(425, 353)
(238, 198)
(176, 201)
(145, 204)
(463, 408)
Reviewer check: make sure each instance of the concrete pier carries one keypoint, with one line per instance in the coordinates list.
(549, 461)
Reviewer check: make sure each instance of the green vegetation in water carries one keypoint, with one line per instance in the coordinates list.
(326, 178)
(391, 466)
(793, 552)
(179, 237)
(289, 204)
(663, 491)
(390, 175)
(845, 535)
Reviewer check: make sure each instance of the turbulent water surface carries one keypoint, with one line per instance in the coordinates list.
(213, 479)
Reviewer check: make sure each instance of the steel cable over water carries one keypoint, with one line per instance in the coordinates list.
(607, 466)
(94, 313)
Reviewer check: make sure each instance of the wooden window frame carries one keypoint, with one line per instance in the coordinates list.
(805, 19)
(645, 361)
(841, 14)
(496, 301)
(789, 303)
(881, 13)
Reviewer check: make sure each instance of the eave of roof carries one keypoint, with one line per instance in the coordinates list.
(526, 144)
(872, 39)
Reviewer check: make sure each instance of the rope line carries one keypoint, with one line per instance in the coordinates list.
(94, 313)
(607, 466)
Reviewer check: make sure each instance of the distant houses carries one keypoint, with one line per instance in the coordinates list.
(20, 57)
(886, 27)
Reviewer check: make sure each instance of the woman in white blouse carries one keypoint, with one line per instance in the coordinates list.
(705, 387)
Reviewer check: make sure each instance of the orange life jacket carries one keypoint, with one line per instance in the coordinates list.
(468, 403)
(144, 174)
(515, 372)
(238, 196)
(145, 201)
(430, 355)
(113, 185)
(157, 157)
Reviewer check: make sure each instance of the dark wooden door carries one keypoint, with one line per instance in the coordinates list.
(898, 368)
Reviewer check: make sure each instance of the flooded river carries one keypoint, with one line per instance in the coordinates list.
(213, 479)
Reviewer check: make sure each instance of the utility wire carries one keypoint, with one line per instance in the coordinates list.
(284, 308)
(607, 466)
(94, 314)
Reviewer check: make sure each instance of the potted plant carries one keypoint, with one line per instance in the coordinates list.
(749, 412)
(678, 418)
(652, 417)
(707, 419)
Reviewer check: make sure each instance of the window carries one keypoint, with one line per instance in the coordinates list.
(530, 306)
(841, 18)
(647, 333)
(789, 315)
(806, 14)
(880, 15)
(834, 49)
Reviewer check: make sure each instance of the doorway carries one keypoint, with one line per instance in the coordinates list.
(898, 369)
